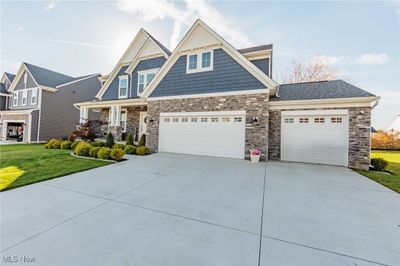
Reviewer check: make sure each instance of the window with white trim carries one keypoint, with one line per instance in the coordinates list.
(289, 120)
(303, 120)
(199, 61)
(319, 120)
(194, 119)
(175, 119)
(144, 78)
(336, 120)
(15, 99)
(123, 87)
(237, 119)
(214, 119)
(226, 119)
(24, 97)
(34, 96)
(204, 119)
(166, 120)
(185, 119)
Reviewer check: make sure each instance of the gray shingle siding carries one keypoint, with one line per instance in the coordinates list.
(262, 64)
(227, 75)
(319, 90)
(34, 125)
(21, 86)
(3, 103)
(112, 91)
(29, 84)
(157, 62)
(59, 116)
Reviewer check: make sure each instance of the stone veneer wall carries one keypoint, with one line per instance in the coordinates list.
(359, 135)
(132, 123)
(256, 105)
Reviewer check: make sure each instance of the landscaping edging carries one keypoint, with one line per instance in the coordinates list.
(92, 158)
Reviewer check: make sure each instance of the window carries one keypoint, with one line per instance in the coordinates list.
(123, 87)
(226, 119)
(289, 120)
(122, 121)
(336, 120)
(214, 119)
(205, 59)
(194, 119)
(192, 61)
(237, 119)
(34, 97)
(185, 119)
(303, 120)
(319, 120)
(15, 99)
(175, 119)
(199, 62)
(204, 119)
(166, 120)
(144, 78)
(24, 97)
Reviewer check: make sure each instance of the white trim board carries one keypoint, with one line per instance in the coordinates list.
(316, 112)
(78, 80)
(213, 113)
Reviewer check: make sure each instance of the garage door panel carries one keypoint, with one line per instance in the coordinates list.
(322, 140)
(219, 138)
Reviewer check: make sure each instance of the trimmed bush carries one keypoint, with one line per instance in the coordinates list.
(110, 140)
(130, 149)
(117, 154)
(83, 148)
(142, 140)
(97, 144)
(143, 150)
(379, 164)
(56, 144)
(94, 151)
(129, 139)
(74, 144)
(104, 153)
(119, 146)
(66, 145)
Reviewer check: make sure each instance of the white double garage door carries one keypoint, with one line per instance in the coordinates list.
(306, 136)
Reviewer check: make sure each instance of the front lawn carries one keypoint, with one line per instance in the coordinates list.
(392, 180)
(23, 164)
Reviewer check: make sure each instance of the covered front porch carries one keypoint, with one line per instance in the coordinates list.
(120, 117)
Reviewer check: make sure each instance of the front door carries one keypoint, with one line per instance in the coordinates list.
(142, 123)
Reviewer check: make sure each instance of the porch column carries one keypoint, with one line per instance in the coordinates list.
(84, 115)
(118, 115)
(112, 115)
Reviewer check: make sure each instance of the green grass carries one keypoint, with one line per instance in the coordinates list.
(24, 164)
(392, 180)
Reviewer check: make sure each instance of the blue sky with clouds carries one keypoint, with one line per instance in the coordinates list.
(359, 40)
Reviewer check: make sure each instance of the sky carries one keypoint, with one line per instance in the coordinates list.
(360, 41)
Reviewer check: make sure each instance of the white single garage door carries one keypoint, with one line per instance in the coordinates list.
(220, 134)
(315, 136)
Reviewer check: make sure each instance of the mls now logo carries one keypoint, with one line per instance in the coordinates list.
(11, 259)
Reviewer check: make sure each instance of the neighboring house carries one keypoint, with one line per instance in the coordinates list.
(208, 98)
(395, 125)
(41, 105)
(5, 84)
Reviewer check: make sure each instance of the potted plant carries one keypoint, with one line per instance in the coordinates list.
(255, 155)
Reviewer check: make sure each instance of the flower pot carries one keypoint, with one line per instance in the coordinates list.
(254, 158)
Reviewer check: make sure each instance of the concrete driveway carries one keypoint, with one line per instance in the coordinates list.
(167, 209)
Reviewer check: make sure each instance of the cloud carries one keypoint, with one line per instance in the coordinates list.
(372, 59)
(80, 44)
(183, 17)
(50, 6)
(20, 28)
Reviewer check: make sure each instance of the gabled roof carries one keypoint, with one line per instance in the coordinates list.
(319, 90)
(255, 48)
(9, 76)
(165, 49)
(209, 38)
(395, 125)
(46, 77)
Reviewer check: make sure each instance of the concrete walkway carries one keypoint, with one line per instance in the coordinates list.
(167, 209)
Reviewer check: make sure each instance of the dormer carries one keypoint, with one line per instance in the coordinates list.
(261, 56)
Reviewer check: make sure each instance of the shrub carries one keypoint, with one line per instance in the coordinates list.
(104, 153)
(72, 137)
(66, 145)
(143, 150)
(83, 148)
(74, 144)
(129, 139)
(97, 144)
(119, 146)
(56, 144)
(110, 140)
(94, 151)
(117, 154)
(379, 164)
(142, 140)
(130, 149)
(49, 145)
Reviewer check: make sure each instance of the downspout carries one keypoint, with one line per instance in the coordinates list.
(39, 115)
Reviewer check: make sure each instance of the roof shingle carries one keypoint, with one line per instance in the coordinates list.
(46, 77)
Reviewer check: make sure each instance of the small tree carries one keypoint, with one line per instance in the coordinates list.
(129, 139)
(142, 140)
(110, 140)
(88, 130)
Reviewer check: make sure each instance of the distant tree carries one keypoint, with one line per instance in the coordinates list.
(386, 140)
(316, 70)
